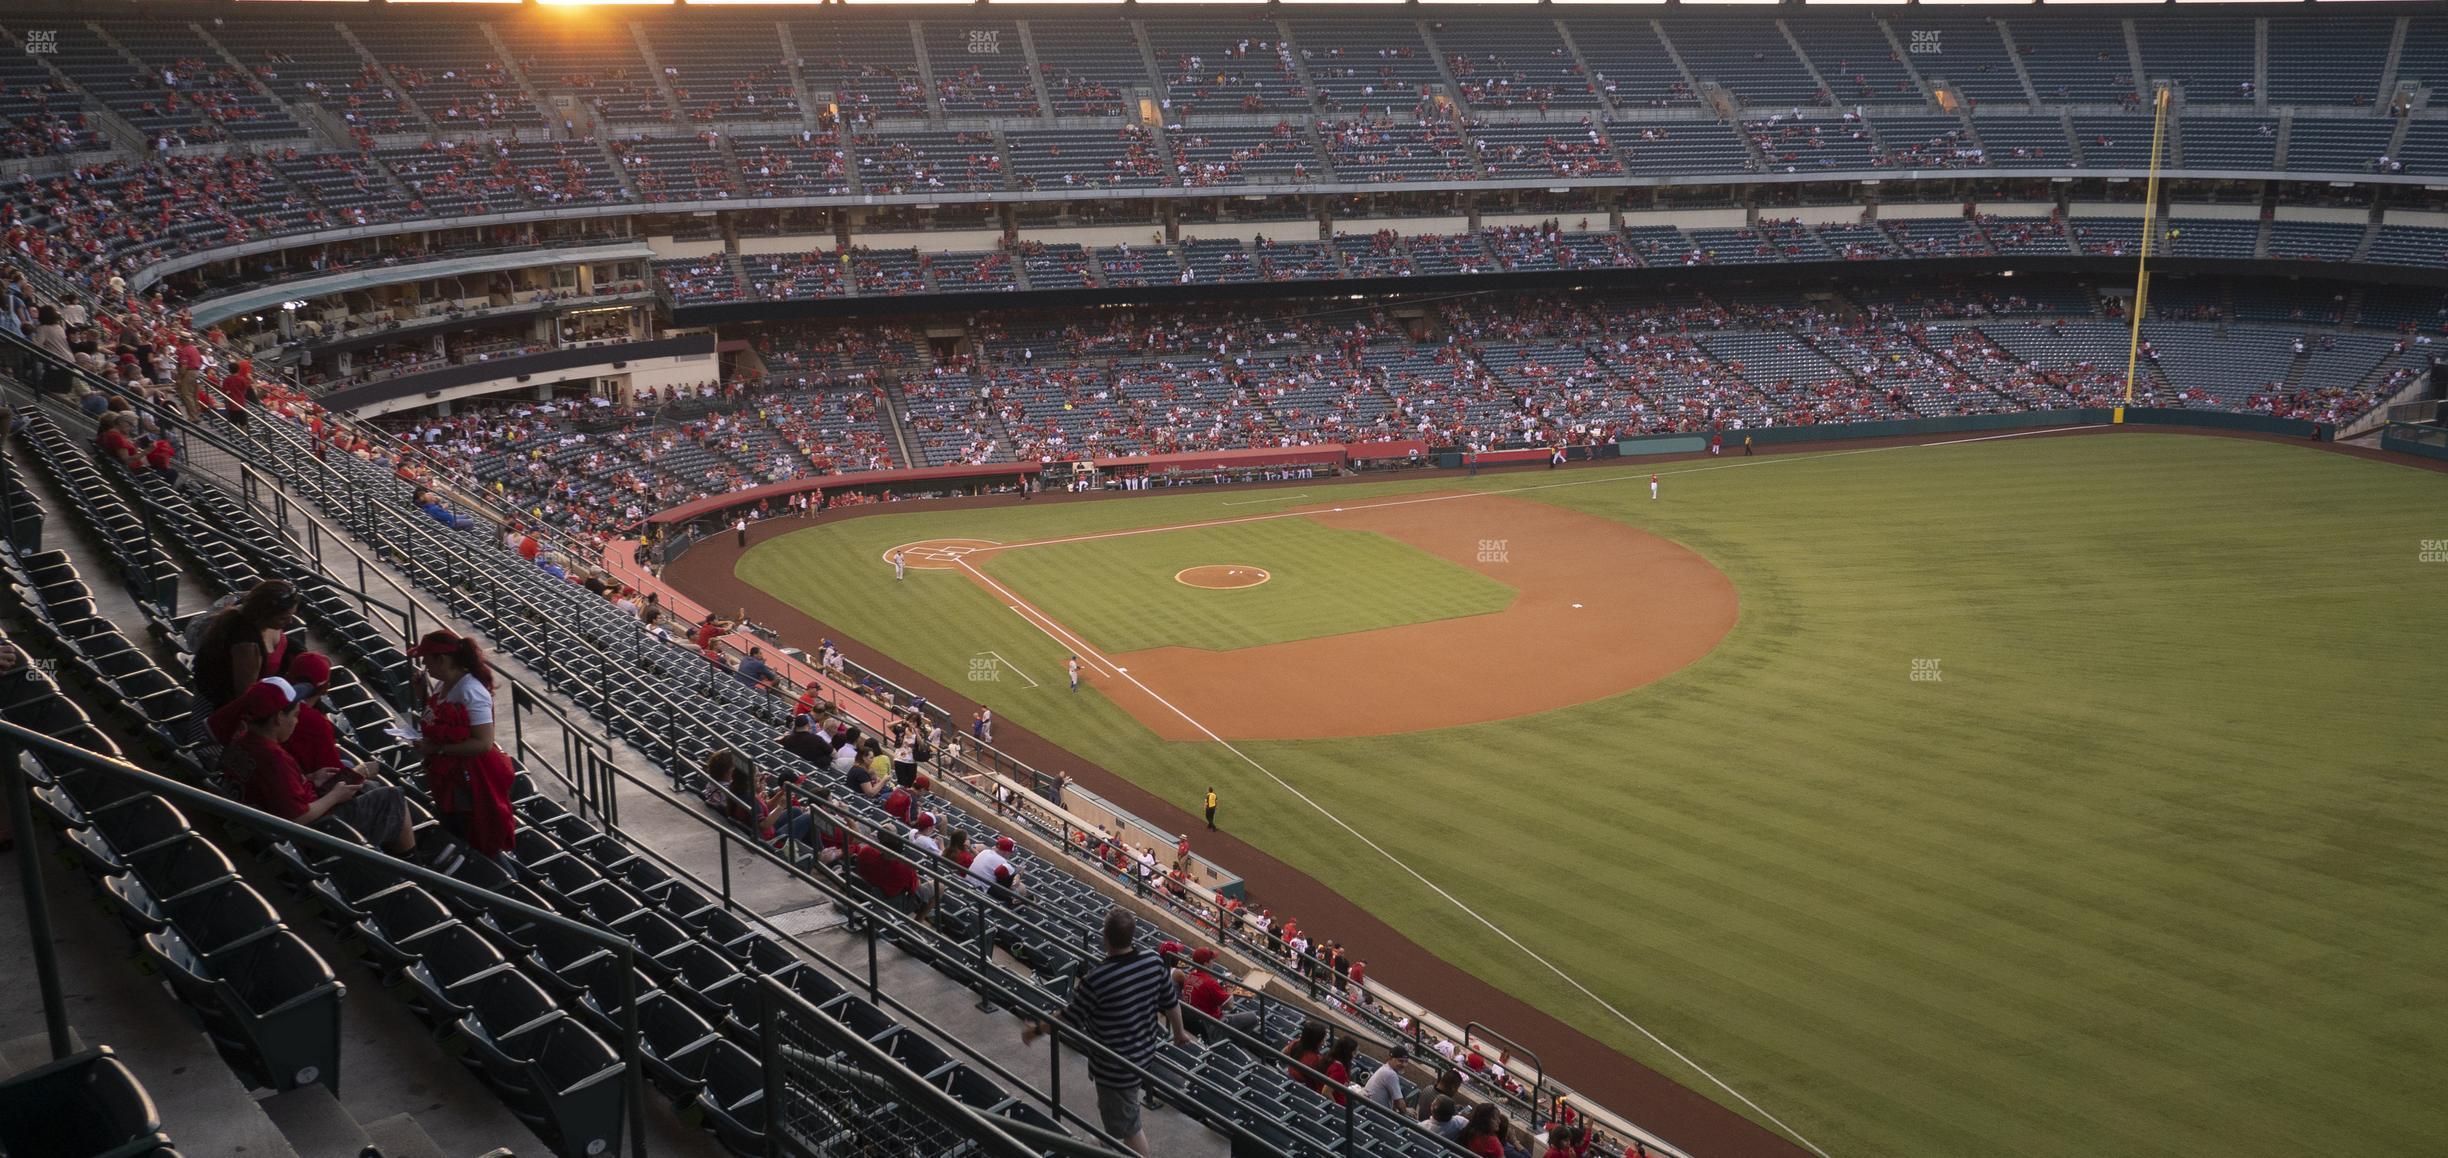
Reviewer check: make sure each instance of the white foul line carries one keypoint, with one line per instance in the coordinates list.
(1017, 604)
(1009, 664)
(1086, 656)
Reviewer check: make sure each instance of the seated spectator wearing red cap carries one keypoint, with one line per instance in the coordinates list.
(252, 729)
(315, 745)
(982, 867)
(922, 835)
(1206, 993)
(467, 773)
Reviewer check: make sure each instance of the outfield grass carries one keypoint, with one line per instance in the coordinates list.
(1120, 594)
(2153, 867)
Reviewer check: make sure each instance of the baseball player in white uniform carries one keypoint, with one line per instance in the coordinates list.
(1072, 665)
(900, 564)
(1653, 488)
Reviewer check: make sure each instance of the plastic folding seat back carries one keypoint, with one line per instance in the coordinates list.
(577, 1082)
(448, 958)
(683, 903)
(535, 850)
(1029, 1115)
(93, 852)
(178, 867)
(675, 1043)
(724, 930)
(923, 1057)
(605, 852)
(603, 1001)
(504, 1006)
(396, 915)
(223, 917)
(698, 972)
(271, 1005)
(813, 984)
(97, 791)
(863, 1019)
(137, 825)
(734, 1098)
(87, 1105)
(971, 1088)
(567, 878)
(613, 907)
(58, 808)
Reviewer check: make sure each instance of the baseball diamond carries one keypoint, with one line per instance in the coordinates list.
(1875, 747)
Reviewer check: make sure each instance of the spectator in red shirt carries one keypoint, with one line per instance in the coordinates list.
(111, 439)
(162, 456)
(315, 745)
(1307, 1050)
(1206, 993)
(253, 728)
(903, 801)
(882, 863)
(1338, 1067)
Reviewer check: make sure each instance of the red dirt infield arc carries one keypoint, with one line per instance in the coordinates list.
(1651, 606)
(1216, 577)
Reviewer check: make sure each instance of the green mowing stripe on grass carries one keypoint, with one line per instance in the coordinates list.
(1120, 593)
(2152, 868)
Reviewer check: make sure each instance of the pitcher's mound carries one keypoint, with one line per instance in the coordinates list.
(938, 554)
(1222, 578)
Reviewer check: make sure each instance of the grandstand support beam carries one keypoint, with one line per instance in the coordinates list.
(37, 907)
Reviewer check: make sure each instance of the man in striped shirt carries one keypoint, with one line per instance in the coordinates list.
(1117, 1002)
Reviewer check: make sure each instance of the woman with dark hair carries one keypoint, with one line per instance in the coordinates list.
(1308, 1049)
(467, 773)
(51, 333)
(245, 643)
(750, 804)
(1484, 1135)
(1339, 1066)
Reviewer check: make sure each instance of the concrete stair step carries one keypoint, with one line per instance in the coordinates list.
(315, 1122)
(399, 1136)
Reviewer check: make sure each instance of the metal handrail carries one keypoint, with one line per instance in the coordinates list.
(15, 738)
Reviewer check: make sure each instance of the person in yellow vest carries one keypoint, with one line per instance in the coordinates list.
(1211, 809)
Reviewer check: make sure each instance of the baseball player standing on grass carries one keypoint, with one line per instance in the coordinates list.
(1072, 665)
(900, 564)
(1653, 488)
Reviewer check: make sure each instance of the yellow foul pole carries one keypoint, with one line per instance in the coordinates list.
(2150, 227)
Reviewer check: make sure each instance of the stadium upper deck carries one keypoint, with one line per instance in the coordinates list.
(203, 128)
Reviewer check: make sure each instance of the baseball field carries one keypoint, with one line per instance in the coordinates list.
(2027, 795)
